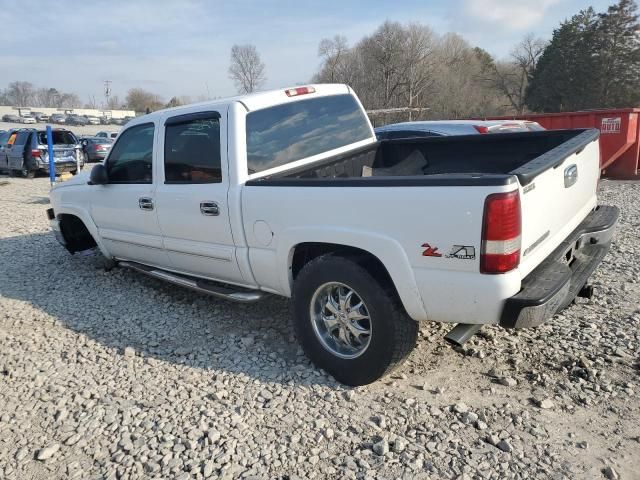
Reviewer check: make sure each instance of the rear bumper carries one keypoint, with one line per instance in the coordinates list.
(61, 167)
(556, 282)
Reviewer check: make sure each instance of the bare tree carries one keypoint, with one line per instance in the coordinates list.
(512, 76)
(410, 66)
(334, 52)
(141, 100)
(382, 54)
(114, 103)
(20, 94)
(419, 57)
(246, 69)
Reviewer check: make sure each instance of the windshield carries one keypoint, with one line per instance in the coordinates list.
(293, 131)
(59, 138)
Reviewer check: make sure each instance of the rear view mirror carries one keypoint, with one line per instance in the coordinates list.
(99, 175)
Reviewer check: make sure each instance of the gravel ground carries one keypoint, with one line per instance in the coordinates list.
(115, 375)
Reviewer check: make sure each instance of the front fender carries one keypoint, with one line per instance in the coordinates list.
(83, 215)
(386, 249)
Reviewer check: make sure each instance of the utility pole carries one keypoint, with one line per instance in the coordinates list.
(107, 92)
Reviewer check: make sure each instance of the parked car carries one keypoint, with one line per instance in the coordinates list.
(40, 116)
(367, 237)
(93, 120)
(27, 152)
(4, 138)
(58, 118)
(10, 117)
(104, 120)
(27, 119)
(95, 148)
(77, 120)
(454, 127)
(104, 134)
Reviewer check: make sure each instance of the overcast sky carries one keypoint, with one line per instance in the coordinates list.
(181, 47)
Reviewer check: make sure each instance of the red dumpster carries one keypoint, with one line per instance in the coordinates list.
(619, 135)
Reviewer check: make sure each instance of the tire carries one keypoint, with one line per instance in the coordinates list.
(26, 173)
(392, 333)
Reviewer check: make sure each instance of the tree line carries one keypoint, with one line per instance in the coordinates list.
(591, 61)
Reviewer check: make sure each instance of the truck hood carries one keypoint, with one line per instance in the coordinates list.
(80, 179)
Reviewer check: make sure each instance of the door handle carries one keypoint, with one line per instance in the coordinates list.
(145, 203)
(209, 209)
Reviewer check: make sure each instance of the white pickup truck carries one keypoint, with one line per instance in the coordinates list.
(288, 192)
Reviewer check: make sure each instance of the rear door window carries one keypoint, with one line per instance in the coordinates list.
(192, 149)
(58, 137)
(286, 133)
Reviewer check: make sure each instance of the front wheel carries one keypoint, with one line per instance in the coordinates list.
(348, 323)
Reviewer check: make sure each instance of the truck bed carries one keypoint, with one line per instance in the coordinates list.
(468, 159)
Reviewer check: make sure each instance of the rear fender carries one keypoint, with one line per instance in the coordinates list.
(386, 249)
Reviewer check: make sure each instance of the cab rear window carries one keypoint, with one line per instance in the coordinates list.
(293, 131)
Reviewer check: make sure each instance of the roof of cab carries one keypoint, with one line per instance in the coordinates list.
(251, 101)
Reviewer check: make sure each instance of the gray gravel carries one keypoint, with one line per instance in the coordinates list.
(108, 375)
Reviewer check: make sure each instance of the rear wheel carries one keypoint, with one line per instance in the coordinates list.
(348, 323)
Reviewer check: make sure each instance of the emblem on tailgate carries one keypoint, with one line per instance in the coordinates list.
(570, 175)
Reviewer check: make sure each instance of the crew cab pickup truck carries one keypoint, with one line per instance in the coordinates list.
(289, 192)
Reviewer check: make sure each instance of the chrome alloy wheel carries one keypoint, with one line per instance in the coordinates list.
(340, 320)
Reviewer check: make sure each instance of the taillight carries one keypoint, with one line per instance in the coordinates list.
(501, 233)
(36, 153)
(481, 129)
(294, 92)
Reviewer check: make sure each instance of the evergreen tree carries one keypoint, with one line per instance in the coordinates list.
(592, 61)
(619, 52)
(565, 77)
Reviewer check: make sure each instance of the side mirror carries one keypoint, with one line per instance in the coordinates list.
(99, 175)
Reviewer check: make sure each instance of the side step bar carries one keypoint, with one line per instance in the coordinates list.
(228, 292)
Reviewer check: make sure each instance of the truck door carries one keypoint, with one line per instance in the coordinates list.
(192, 197)
(124, 210)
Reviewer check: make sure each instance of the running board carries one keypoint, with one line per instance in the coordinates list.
(228, 292)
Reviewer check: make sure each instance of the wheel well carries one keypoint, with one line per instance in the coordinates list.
(75, 233)
(305, 252)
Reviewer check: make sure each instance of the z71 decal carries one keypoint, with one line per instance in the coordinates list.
(463, 252)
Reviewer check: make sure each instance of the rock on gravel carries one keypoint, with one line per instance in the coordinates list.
(110, 374)
(47, 452)
(545, 404)
(381, 447)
